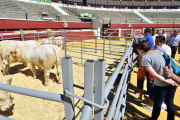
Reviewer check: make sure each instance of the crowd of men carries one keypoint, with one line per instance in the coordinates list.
(150, 68)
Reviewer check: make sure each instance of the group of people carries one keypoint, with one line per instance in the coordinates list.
(161, 81)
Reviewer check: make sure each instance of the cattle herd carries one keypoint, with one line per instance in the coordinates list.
(43, 54)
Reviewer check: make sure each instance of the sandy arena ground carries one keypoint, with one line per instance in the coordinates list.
(30, 108)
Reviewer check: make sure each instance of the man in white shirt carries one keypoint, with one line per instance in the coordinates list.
(160, 45)
(153, 34)
(164, 34)
(173, 41)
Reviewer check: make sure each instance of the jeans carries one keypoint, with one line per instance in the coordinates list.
(151, 91)
(173, 51)
(160, 93)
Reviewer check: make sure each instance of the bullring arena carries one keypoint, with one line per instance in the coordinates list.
(100, 38)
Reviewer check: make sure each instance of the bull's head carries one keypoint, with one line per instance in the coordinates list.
(13, 53)
(9, 57)
(5, 97)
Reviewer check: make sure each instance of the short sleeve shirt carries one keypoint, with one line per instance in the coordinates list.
(150, 40)
(165, 48)
(157, 62)
(173, 41)
(154, 37)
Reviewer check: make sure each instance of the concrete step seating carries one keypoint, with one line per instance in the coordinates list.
(163, 17)
(12, 9)
(106, 16)
(71, 17)
(40, 8)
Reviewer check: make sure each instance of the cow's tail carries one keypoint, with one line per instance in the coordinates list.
(58, 53)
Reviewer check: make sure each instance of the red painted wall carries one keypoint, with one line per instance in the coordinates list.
(9, 24)
(145, 25)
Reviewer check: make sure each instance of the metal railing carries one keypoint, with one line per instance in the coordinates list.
(94, 82)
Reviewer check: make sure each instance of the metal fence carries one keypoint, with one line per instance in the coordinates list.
(80, 43)
(94, 79)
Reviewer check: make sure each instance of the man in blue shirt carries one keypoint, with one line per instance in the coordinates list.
(173, 41)
(148, 36)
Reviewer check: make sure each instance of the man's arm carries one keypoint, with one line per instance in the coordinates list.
(159, 77)
(168, 72)
(167, 40)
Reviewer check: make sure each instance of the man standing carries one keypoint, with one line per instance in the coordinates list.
(164, 34)
(173, 41)
(153, 33)
(148, 36)
(159, 45)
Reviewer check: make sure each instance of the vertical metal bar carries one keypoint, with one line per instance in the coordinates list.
(89, 79)
(26, 16)
(22, 35)
(125, 44)
(103, 47)
(67, 74)
(83, 39)
(81, 51)
(100, 66)
(2, 37)
(96, 44)
(110, 44)
(88, 88)
(48, 38)
(34, 36)
(64, 42)
(72, 39)
(38, 35)
(85, 113)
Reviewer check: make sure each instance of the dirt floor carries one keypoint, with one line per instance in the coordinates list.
(30, 108)
(135, 111)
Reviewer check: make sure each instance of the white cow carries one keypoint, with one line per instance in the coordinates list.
(54, 40)
(8, 45)
(5, 97)
(44, 56)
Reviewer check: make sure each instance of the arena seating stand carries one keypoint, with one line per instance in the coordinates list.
(106, 16)
(38, 9)
(71, 17)
(163, 17)
(12, 9)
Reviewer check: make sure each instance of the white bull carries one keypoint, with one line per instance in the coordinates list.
(54, 40)
(8, 45)
(5, 97)
(44, 56)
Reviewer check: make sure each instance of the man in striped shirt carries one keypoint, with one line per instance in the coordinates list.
(173, 41)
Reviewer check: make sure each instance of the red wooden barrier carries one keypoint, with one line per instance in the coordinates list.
(8, 24)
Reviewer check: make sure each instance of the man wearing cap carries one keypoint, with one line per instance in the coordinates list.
(173, 41)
